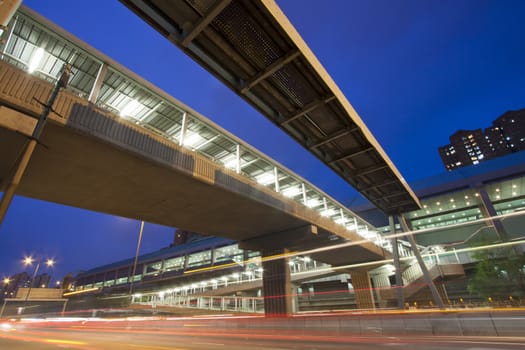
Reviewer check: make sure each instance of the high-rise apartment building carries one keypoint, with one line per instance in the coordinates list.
(506, 135)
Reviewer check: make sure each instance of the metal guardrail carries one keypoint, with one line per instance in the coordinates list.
(217, 303)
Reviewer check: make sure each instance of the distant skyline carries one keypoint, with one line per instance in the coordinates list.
(415, 71)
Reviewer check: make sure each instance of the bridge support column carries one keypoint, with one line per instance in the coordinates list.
(426, 275)
(397, 265)
(488, 211)
(277, 286)
(364, 296)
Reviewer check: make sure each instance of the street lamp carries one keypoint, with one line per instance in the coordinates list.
(28, 261)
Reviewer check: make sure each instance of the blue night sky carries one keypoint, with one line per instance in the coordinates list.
(416, 71)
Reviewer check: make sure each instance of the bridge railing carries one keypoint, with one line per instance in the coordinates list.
(217, 303)
(41, 48)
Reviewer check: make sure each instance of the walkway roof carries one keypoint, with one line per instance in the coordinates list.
(253, 48)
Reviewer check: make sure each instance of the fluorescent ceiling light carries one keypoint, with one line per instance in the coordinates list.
(328, 212)
(340, 221)
(265, 179)
(230, 161)
(312, 203)
(35, 60)
(291, 191)
(193, 140)
(131, 109)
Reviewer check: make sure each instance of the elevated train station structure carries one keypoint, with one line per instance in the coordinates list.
(119, 145)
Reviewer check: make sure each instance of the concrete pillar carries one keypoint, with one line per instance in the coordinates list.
(277, 287)
(364, 296)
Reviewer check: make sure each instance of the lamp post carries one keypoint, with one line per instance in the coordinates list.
(6, 284)
(28, 261)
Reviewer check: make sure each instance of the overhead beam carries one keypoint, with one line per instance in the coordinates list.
(272, 68)
(375, 187)
(393, 194)
(203, 22)
(333, 137)
(308, 108)
(369, 170)
(351, 154)
(398, 205)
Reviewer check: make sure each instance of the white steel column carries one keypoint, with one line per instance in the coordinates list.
(183, 128)
(303, 188)
(238, 158)
(426, 275)
(276, 179)
(397, 265)
(95, 90)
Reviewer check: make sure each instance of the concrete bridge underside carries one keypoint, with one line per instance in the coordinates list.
(92, 159)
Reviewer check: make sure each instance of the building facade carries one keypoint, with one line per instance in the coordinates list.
(470, 147)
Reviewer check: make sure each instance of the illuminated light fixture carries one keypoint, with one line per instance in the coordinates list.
(468, 203)
(328, 212)
(35, 60)
(340, 221)
(477, 194)
(466, 197)
(498, 196)
(312, 203)
(428, 211)
(453, 206)
(291, 191)
(514, 186)
(425, 206)
(513, 193)
(265, 179)
(497, 189)
(81, 291)
(438, 203)
(451, 200)
(230, 162)
(193, 140)
(130, 109)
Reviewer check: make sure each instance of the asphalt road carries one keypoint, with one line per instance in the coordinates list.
(145, 335)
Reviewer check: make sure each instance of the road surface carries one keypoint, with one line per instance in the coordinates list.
(152, 335)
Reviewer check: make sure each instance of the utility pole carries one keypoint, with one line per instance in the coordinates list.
(10, 190)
